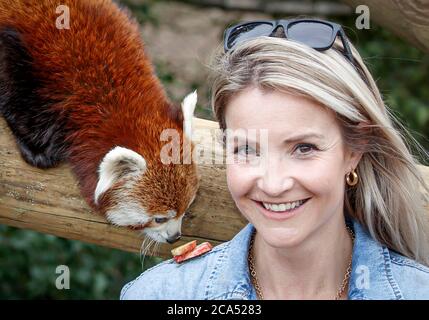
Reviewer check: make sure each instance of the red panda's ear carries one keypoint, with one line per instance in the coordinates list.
(117, 163)
(188, 108)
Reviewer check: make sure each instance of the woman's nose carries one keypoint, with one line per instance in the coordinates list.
(275, 178)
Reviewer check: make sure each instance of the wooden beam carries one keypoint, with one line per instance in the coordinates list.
(407, 19)
(49, 201)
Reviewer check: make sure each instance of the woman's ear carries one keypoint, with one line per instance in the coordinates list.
(353, 161)
(353, 157)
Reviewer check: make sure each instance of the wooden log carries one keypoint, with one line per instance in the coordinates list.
(407, 19)
(49, 200)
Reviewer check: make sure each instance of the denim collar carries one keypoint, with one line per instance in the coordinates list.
(371, 276)
(230, 277)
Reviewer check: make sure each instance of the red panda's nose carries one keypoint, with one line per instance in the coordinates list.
(174, 238)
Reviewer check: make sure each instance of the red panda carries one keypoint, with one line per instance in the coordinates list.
(88, 95)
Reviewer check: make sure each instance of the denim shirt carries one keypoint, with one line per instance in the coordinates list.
(377, 273)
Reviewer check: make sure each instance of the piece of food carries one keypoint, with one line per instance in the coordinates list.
(187, 247)
(197, 251)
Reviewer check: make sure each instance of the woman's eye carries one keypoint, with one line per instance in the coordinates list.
(305, 148)
(248, 149)
(161, 220)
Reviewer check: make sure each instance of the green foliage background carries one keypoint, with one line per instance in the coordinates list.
(28, 262)
(402, 74)
(28, 259)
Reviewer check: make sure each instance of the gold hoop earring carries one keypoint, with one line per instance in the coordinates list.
(354, 181)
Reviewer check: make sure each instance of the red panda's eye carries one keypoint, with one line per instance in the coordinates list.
(161, 220)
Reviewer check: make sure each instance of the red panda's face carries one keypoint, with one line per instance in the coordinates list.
(166, 192)
(150, 197)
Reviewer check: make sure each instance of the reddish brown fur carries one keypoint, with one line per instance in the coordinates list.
(99, 69)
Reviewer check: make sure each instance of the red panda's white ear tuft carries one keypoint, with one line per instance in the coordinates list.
(188, 108)
(116, 163)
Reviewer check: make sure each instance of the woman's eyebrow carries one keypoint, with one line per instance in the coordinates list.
(289, 140)
(304, 136)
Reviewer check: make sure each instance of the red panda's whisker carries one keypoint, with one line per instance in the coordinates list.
(143, 250)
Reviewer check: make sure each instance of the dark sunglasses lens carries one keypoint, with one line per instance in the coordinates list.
(248, 31)
(314, 34)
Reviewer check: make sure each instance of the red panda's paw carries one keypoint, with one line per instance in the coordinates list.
(42, 160)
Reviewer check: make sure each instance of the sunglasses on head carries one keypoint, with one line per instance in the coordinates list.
(317, 34)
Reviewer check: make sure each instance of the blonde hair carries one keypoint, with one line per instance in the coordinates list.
(389, 199)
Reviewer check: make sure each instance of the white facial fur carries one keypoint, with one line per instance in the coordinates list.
(128, 214)
(165, 230)
(133, 214)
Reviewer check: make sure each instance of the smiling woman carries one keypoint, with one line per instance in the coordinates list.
(302, 178)
(332, 195)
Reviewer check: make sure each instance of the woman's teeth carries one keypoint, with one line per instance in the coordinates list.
(283, 206)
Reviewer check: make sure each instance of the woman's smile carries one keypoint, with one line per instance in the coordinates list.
(279, 212)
